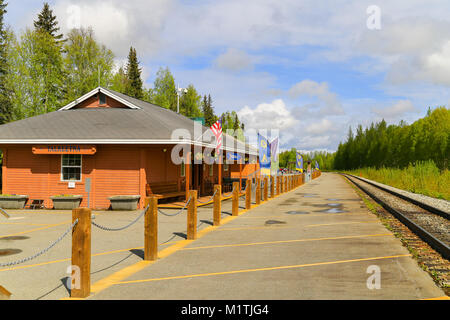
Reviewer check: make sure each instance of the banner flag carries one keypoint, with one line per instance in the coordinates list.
(299, 162)
(264, 155)
(275, 163)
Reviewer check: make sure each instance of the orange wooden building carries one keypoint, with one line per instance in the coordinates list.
(116, 144)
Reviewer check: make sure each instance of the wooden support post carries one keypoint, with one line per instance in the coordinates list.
(258, 191)
(240, 174)
(151, 229)
(235, 199)
(187, 172)
(81, 253)
(266, 188)
(278, 185)
(217, 210)
(272, 187)
(192, 216)
(248, 195)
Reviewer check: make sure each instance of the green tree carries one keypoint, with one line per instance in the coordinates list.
(6, 107)
(164, 93)
(134, 84)
(87, 63)
(35, 78)
(47, 22)
(190, 103)
(119, 81)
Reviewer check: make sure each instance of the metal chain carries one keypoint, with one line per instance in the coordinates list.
(122, 228)
(179, 212)
(6, 213)
(9, 264)
(209, 198)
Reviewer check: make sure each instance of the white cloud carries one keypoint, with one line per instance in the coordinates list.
(320, 127)
(396, 110)
(118, 24)
(329, 102)
(234, 60)
(272, 115)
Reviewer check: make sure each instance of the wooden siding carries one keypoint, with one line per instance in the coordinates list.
(113, 170)
(94, 102)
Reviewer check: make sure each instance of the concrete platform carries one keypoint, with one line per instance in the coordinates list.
(316, 242)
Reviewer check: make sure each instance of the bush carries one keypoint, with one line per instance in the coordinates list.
(423, 177)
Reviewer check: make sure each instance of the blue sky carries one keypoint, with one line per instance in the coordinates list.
(309, 69)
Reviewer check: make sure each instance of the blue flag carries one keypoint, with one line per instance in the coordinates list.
(264, 155)
(299, 162)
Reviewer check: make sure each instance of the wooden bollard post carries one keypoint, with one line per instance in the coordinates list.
(151, 229)
(192, 216)
(235, 199)
(81, 253)
(248, 195)
(258, 191)
(4, 294)
(272, 187)
(217, 210)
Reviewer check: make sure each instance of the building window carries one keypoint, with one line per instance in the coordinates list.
(225, 167)
(102, 99)
(71, 167)
(211, 170)
(183, 169)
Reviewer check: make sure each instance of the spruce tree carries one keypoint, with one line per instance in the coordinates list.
(134, 84)
(5, 102)
(47, 22)
(208, 111)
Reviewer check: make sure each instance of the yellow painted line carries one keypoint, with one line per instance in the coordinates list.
(439, 298)
(128, 271)
(37, 229)
(262, 269)
(68, 259)
(340, 223)
(291, 227)
(288, 241)
(252, 228)
(26, 224)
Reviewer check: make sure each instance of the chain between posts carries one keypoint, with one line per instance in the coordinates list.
(122, 228)
(210, 199)
(9, 264)
(179, 212)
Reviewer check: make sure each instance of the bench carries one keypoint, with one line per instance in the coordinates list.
(164, 190)
(36, 204)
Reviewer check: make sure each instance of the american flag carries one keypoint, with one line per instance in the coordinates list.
(216, 128)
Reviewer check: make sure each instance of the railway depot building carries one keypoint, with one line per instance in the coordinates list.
(107, 144)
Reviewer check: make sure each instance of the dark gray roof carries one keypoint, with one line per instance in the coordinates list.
(146, 124)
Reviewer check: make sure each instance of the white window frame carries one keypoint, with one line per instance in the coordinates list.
(81, 169)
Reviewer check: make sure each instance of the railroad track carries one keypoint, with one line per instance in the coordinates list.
(430, 224)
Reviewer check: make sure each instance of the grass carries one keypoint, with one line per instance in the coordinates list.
(423, 178)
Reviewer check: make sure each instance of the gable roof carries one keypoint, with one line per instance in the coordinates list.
(140, 123)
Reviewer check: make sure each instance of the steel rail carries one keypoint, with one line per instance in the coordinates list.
(424, 206)
(435, 243)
